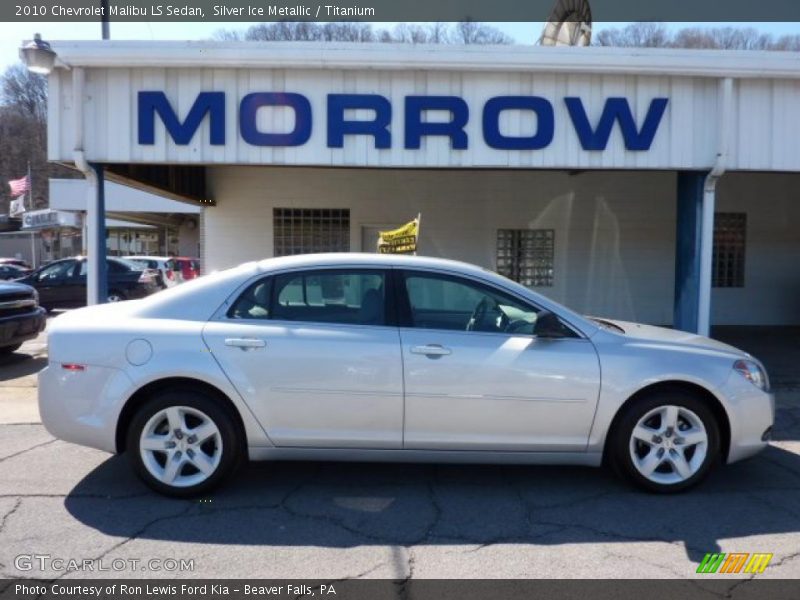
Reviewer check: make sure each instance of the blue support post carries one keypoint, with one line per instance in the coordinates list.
(687, 250)
(102, 267)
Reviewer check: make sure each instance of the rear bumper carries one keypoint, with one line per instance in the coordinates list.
(142, 291)
(82, 406)
(19, 328)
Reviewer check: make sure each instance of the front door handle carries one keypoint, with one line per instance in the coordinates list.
(431, 350)
(245, 343)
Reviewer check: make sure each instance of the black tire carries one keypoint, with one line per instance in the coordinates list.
(6, 350)
(619, 447)
(232, 438)
(116, 293)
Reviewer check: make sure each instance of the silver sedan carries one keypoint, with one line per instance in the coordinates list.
(392, 358)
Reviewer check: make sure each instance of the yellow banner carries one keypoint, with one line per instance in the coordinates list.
(402, 240)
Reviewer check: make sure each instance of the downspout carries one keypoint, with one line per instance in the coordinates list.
(95, 222)
(709, 202)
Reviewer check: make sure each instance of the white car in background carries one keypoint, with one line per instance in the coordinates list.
(168, 273)
(391, 358)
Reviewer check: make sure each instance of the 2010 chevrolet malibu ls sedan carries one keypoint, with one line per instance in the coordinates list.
(371, 357)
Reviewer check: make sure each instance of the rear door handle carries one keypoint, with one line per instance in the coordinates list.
(245, 343)
(431, 350)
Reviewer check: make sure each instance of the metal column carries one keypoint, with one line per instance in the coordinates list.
(96, 276)
(687, 250)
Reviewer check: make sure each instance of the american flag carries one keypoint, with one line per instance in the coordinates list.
(19, 186)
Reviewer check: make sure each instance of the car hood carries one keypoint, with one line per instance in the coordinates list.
(674, 337)
(10, 287)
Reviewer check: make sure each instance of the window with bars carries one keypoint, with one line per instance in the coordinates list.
(730, 236)
(526, 256)
(308, 230)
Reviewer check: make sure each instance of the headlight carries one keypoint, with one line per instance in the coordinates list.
(36, 296)
(752, 372)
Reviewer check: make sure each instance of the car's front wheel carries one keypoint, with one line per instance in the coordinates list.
(183, 443)
(666, 442)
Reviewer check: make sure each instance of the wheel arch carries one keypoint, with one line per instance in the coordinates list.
(685, 386)
(186, 384)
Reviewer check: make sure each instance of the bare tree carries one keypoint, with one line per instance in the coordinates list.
(656, 35)
(348, 31)
(639, 35)
(471, 32)
(23, 134)
(26, 92)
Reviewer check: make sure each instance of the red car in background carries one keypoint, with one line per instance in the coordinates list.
(189, 268)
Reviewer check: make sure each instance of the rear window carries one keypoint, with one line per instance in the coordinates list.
(143, 262)
(119, 264)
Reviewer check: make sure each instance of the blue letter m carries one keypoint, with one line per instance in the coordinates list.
(212, 103)
(616, 109)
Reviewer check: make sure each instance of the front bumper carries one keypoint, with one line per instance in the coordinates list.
(19, 328)
(751, 412)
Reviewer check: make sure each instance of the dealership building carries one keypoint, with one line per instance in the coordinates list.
(642, 184)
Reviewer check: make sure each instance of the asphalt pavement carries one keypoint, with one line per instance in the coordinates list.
(84, 508)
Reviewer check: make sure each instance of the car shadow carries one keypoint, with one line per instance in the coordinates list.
(20, 364)
(352, 504)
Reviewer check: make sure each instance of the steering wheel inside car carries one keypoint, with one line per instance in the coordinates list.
(488, 316)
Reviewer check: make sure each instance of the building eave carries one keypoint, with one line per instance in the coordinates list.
(378, 56)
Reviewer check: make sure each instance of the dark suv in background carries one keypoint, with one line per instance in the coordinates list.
(62, 283)
(21, 317)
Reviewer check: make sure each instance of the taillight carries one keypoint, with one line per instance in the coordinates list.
(73, 367)
(147, 277)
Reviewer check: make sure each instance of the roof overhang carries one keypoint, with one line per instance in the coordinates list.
(429, 57)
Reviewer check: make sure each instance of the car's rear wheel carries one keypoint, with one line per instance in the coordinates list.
(666, 442)
(115, 296)
(183, 443)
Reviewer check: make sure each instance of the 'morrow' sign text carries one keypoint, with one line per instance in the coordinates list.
(211, 105)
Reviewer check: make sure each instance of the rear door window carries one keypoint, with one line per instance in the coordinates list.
(351, 297)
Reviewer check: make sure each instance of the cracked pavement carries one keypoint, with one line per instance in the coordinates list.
(350, 520)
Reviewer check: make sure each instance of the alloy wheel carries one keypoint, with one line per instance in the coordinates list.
(180, 446)
(669, 444)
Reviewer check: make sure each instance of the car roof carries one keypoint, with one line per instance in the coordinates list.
(366, 259)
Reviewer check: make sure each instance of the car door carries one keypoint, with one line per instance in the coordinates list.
(314, 355)
(476, 378)
(53, 283)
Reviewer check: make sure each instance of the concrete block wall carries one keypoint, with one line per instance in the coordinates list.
(614, 230)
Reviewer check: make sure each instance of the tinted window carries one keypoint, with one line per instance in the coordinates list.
(349, 297)
(253, 303)
(55, 271)
(443, 302)
(121, 265)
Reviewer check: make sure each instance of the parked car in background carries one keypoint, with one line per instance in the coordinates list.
(21, 317)
(15, 261)
(388, 357)
(62, 283)
(168, 271)
(188, 267)
(12, 271)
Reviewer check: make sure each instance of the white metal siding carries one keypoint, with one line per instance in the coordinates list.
(686, 137)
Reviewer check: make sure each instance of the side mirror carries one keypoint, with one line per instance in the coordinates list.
(547, 325)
